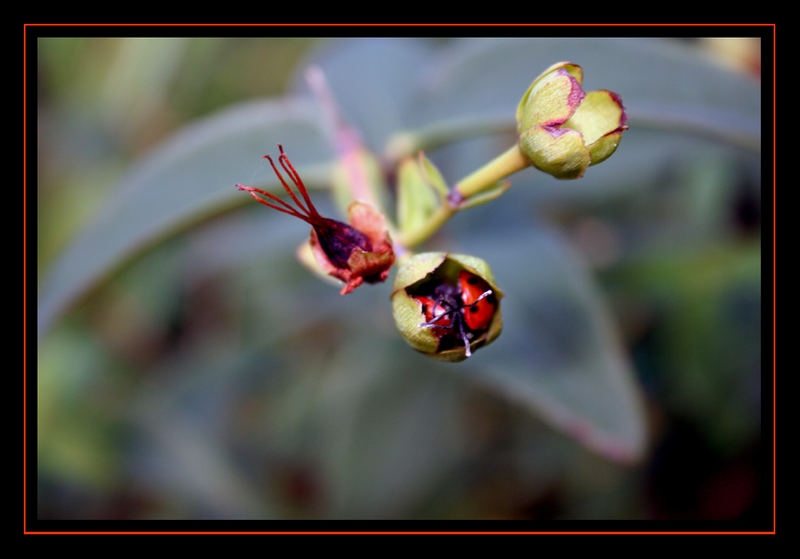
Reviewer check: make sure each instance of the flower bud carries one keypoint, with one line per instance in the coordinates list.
(563, 130)
(353, 253)
(446, 305)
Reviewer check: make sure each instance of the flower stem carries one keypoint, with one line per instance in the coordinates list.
(484, 178)
(505, 164)
(435, 221)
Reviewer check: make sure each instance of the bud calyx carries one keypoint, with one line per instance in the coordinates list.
(562, 129)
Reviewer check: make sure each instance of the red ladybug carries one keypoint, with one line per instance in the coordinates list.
(435, 314)
(465, 310)
(479, 305)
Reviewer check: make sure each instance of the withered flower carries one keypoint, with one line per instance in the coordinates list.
(355, 253)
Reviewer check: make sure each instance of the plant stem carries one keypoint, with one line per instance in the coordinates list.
(505, 164)
(484, 178)
(436, 220)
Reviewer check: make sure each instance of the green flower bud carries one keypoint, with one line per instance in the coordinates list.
(446, 305)
(563, 130)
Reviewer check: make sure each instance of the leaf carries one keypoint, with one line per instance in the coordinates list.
(488, 77)
(675, 98)
(190, 452)
(390, 434)
(188, 177)
(558, 354)
(373, 82)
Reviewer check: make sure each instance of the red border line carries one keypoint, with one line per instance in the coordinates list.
(774, 336)
(417, 532)
(25, 277)
(356, 24)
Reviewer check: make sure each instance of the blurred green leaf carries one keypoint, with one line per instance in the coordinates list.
(239, 400)
(680, 104)
(708, 302)
(74, 437)
(559, 354)
(367, 419)
(372, 81)
(180, 417)
(658, 79)
(189, 177)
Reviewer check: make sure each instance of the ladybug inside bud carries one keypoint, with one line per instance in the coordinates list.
(355, 253)
(459, 313)
(446, 305)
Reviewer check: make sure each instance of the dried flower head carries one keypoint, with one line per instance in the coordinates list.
(354, 253)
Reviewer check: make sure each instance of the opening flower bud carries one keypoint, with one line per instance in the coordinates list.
(563, 130)
(446, 305)
(354, 253)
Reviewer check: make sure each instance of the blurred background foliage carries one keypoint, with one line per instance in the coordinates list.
(189, 367)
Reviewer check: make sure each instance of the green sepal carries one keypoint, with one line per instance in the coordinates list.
(494, 191)
(555, 106)
(416, 198)
(417, 267)
(433, 176)
(560, 153)
(407, 315)
(600, 113)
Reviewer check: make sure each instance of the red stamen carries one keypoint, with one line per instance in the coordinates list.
(291, 211)
(284, 160)
(252, 189)
(288, 189)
